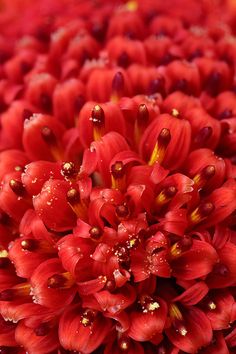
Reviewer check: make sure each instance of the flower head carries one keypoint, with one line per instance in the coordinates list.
(117, 169)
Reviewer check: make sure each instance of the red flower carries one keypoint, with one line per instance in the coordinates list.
(117, 169)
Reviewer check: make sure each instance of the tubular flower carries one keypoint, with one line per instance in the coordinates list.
(117, 177)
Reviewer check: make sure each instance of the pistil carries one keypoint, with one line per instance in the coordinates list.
(117, 87)
(204, 176)
(76, 204)
(18, 291)
(141, 122)
(118, 176)
(166, 195)
(98, 121)
(60, 281)
(160, 147)
(51, 140)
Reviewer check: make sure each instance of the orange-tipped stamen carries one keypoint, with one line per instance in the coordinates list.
(118, 176)
(98, 121)
(201, 212)
(117, 87)
(51, 140)
(159, 150)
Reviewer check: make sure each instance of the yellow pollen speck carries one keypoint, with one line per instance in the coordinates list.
(85, 321)
(132, 242)
(124, 346)
(3, 254)
(67, 166)
(97, 107)
(212, 305)
(153, 306)
(175, 112)
(183, 331)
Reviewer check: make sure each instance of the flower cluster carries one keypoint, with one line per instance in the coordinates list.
(117, 169)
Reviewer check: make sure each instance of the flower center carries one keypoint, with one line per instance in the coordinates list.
(148, 304)
(87, 318)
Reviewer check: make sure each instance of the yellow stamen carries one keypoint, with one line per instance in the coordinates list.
(118, 176)
(98, 120)
(201, 212)
(175, 313)
(159, 150)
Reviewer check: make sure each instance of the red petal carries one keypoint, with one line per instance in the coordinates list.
(220, 317)
(199, 332)
(116, 302)
(200, 259)
(49, 297)
(35, 147)
(37, 173)
(193, 295)
(26, 337)
(52, 207)
(74, 336)
(146, 326)
(227, 256)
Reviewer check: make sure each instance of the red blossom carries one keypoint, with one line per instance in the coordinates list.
(117, 171)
